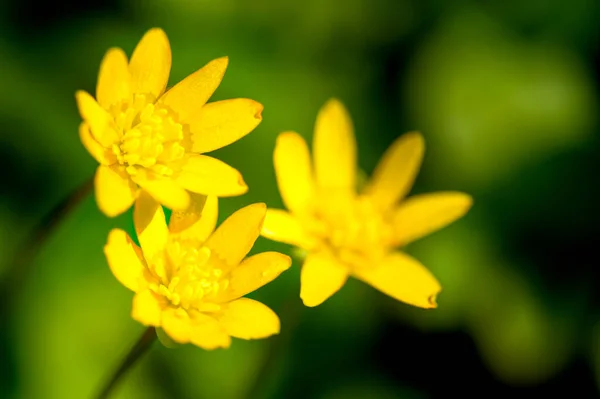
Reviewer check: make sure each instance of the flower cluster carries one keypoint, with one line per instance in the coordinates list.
(189, 276)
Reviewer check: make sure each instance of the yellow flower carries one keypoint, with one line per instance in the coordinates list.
(144, 137)
(190, 281)
(346, 233)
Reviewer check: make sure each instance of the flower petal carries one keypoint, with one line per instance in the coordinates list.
(334, 148)
(103, 155)
(221, 123)
(394, 175)
(320, 278)
(404, 279)
(125, 259)
(97, 118)
(114, 79)
(115, 192)
(209, 176)
(337, 206)
(177, 324)
(166, 191)
(150, 64)
(234, 238)
(150, 225)
(199, 221)
(147, 308)
(294, 172)
(181, 220)
(208, 334)
(249, 319)
(253, 273)
(423, 214)
(283, 227)
(187, 97)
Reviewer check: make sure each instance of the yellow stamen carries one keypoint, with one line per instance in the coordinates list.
(149, 137)
(196, 276)
(361, 235)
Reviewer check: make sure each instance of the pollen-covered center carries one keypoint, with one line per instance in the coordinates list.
(356, 233)
(190, 278)
(149, 137)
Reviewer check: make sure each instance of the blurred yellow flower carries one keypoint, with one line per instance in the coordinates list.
(355, 234)
(144, 137)
(190, 281)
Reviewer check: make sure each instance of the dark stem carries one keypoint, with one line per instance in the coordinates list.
(277, 346)
(140, 347)
(21, 263)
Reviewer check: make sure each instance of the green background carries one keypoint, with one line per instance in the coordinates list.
(506, 95)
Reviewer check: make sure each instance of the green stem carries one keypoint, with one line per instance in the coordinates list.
(277, 346)
(21, 264)
(140, 347)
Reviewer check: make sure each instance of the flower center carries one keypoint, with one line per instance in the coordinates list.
(358, 233)
(149, 137)
(189, 277)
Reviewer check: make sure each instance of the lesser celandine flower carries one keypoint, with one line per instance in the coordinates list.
(144, 137)
(346, 233)
(190, 281)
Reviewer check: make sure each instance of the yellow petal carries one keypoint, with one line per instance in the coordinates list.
(103, 155)
(334, 148)
(181, 220)
(147, 308)
(150, 64)
(187, 97)
(166, 191)
(339, 206)
(282, 226)
(177, 324)
(294, 172)
(209, 176)
(394, 175)
(320, 278)
(115, 192)
(114, 79)
(404, 279)
(234, 238)
(199, 221)
(125, 259)
(253, 273)
(249, 319)
(423, 214)
(150, 225)
(208, 334)
(97, 118)
(221, 123)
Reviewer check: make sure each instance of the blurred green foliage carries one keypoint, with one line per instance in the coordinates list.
(506, 94)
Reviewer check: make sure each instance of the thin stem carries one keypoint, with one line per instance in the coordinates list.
(140, 347)
(277, 346)
(23, 257)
